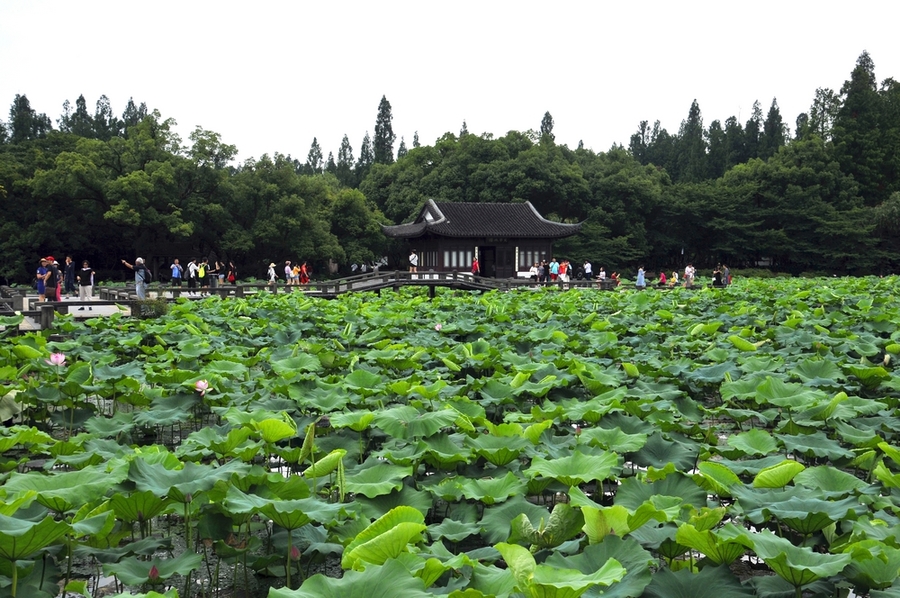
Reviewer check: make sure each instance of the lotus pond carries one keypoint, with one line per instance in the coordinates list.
(734, 442)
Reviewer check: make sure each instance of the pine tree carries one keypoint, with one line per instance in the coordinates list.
(464, 130)
(106, 125)
(734, 142)
(774, 133)
(717, 157)
(580, 144)
(79, 122)
(25, 123)
(314, 158)
(133, 114)
(547, 127)
(752, 132)
(330, 166)
(401, 151)
(416, 139)
(690, 159)
(383, 146)
(639, 142)
(822, 113)
(344, 172)
(366, 159)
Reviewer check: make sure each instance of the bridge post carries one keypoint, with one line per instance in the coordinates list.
(239, 291)
(47, 315)
(431, 288)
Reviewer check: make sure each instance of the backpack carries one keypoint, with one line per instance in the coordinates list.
(202, 271)
(147, 274)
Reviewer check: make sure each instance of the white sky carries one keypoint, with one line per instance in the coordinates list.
(271, 75)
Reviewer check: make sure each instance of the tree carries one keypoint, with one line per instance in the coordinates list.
(330, 166)
(822, 113)
(464, 129)
(547, 127)
(416, 139)
(752, 131)
(78, 123)
(314, 158)
(717, 158)
(344, 171)
(25, 123)
(774, 132)
(734, 142)
(383, 145)
(366, 159)
(401, 151)
(133, 114)
(639, 143)
(858, 140)
(690, 152)
(106, 125)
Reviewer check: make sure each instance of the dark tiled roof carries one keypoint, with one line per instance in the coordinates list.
(464, 219)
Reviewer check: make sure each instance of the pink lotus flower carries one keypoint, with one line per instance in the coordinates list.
(295, 553)
(153, 575)
(438, 327)
(201, 386)
(56, 359)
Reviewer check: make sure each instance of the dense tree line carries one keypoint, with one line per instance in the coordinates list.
(825, 197)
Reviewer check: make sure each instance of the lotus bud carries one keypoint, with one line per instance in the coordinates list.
(438, 327)
(153, 575)
(295, 553)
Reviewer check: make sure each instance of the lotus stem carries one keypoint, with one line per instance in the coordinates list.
(15, 579)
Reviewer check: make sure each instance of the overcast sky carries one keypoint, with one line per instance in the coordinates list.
(270, 76)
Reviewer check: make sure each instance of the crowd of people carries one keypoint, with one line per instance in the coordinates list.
(75, 282)
(295, 274)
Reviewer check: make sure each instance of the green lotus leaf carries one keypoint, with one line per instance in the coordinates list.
(20, 538)
(355, 420)
(709, 582)
(870, 377)
(787, 395)
(659, 451)
(575, 469)
(713, 374)
(564, 524)
(387, 581)
(753, 442)
(274, 430)
(493, 490)
(405, 421)
(633, 493)
(722, 547)
(830, 480)
(385, 538)
(818, 372)
(627, 552)
(716, 478)
(497, 519)
(778, 476)
(178, 484)
(816, 444)
(797, 565)
(137, 506)
(293, 366)
(446, 450)
(173, 593)
(135, 572)
(363, 381)
(377, 480)
(543, 581)
(614, 439)
(497, 450)
(65, 491)
(374, 508)
(875, 565)
(891, 451)
(453, 530)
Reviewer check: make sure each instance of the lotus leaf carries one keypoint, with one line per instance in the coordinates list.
(20, 538)
(179, 484)
(633, 493)
(496, 520)
(497, 450)
(406, 421)
(875, 565)
(614, 439)
(709, 582)
(493, 490)
(722, 547)
(446, 450)
(797, 565)
(816, 444)
(379, 479)
(387, 581)
(716, 478)
(659, 451)
(452, 530)
(385, 538)
(753, 442)
(69, 490)
(636, 560)
(575, 469)
(542, 581)
(777, 476)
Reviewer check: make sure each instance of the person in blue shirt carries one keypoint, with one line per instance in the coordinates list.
(177, 272)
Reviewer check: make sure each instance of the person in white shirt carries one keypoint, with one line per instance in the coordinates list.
(413, 261)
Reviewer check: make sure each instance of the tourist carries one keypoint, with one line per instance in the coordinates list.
(69, 277)
(727, 274)
(202, 272)
(475, 269)
(588, 270)
(86, 284)
(288, 273)
(41, 279)
(554, 269)
(674, 281)
(534, 272)
(413, 261)
(232, 273)
(662, 279)
(51, 279)
(193, 275)
(177, 273)
(641, 282)
(303, 276)
(270, 275)
(141, 277)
